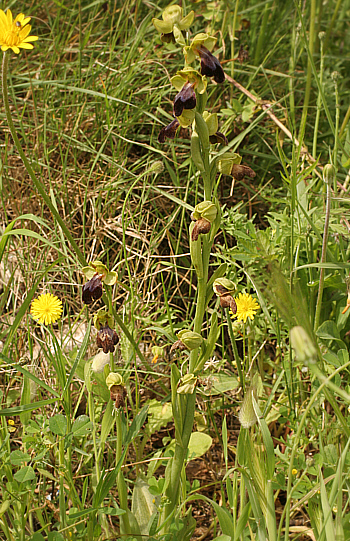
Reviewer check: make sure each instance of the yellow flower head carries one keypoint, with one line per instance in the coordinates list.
(246, 307)
(46, 309)
(294, 471)
(14, 34)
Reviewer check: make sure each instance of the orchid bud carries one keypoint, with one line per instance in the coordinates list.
(187, 384)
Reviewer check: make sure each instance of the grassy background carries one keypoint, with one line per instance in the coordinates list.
(88, 103)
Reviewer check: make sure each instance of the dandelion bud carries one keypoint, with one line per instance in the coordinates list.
(210, 65)
(157, 168)
(321, 35)
(329, 173)
(92, 290)
(303, 346)
(185, 99)
(107, 339)
(169, 131)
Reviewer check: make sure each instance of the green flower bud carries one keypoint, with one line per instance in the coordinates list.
(224, 286)
(173, 20)
(114, 378)
(187, 384)
(226, 161)
(329, 173)
(303, 346)
(206, 210)
(190, 339)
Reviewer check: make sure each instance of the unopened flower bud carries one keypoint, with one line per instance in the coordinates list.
(329, 173)
(226, 161)
(114, 378)
(187, 340)
(107, 339)
(205, 209)
(223, 286)
(92, 290)
(303, 346)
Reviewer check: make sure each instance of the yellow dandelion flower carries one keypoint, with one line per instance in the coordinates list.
(246, 307)
(294, 471)
(14, 33)
(11, 425)
(46, 309)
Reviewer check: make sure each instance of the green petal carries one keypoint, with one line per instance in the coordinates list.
(186, 21)
(178, 81)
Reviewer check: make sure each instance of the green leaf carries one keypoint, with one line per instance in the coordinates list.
(17, 458)
(82, 426)
(27, 407)
(25, 474)
(199, 444)
(58, 424)
(143, 505)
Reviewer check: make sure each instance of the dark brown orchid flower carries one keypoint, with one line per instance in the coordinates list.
(218, 137)
(107, 339)
(185, 99)
(226, 299)
(202, 226)
(240, 171)
(92, 290)
(168, 131)
(210, 65)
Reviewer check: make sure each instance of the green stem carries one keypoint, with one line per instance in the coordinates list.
(323, 258)
(122, 492)
(309, 71)
(28, 167)
(62, 499)
(319, 104)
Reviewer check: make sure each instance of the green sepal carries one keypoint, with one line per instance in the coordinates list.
(186, 22)
(163, 27)
(178, 36)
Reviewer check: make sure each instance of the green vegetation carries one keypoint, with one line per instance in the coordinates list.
(188, 375)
